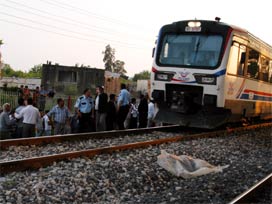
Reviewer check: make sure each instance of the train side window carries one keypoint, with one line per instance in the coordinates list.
(242, 60)
(253, 64)
(270, 72)
(233, 59)
(264, 70)
(237, 58)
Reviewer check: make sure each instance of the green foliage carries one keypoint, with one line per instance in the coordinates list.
(112, 65)
(124, 81)
(109, 58)
(9, 89)
(142, 75)
(119, 67)
(70, 89)
(1, 42)
(35, 72)
(9, 72)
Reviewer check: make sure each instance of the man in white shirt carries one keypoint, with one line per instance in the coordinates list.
(151, 114)
(31, 116)
(6, 123)
(47, 124)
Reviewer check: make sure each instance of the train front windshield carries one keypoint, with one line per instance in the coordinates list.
(193, 50)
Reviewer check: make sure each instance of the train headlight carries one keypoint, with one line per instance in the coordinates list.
(208, 80)
(205, 79)
(161, 76)
(194, 24)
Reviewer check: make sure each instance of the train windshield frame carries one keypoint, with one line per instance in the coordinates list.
(193, 50)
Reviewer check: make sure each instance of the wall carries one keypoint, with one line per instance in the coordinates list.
(71, 80)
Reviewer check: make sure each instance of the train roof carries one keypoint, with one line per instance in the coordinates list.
(252, 40)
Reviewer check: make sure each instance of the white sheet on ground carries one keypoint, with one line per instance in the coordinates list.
(186, 166)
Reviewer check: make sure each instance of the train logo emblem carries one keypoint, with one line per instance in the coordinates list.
(250, 95)
(231, 89)
(183, 76)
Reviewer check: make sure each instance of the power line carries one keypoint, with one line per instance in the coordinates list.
(61, 34)
(55, 19)
(86, 12)
(63, 29)
(84, 25)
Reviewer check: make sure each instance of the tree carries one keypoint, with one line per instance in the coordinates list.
(142, 75)
(1, 42)
(111, 65)
(8, 71)
(119, 67)
(35, 72)
(109, 58)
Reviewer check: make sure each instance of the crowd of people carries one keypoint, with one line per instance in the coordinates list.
(102, 113)
(38, 95)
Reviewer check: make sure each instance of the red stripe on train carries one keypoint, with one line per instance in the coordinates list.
(257, 92)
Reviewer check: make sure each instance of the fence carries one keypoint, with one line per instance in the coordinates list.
(8, 97)
(12, 98)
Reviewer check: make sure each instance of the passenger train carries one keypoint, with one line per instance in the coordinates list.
(208, 73)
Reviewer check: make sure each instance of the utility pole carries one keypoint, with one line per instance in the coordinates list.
(1, 63)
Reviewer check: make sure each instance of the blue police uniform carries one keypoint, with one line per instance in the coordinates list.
(123, 102)
(124, 97)
(85, 106)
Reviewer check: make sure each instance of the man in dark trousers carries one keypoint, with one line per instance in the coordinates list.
(111, 113)
(122, 106)
(31, 117)
(143, 111)
(101, 101)
(84, 108)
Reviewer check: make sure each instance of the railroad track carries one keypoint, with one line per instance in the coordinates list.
(261, 192)
(43, 161)
(36, 147)
(4, 144)
(133, 176)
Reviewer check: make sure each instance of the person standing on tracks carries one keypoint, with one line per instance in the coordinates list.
(151, 114)
(101, 101)
(60, 114)
(143, 111)
(47, 124)
(133, 114)
(122, 106)
(42, 98)
(36, 96)
(84, 108)
(6, 123)
(111, 113)
(19, 123)
(31, 116)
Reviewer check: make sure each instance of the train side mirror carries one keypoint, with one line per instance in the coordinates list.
(243, 58)
(153, 52)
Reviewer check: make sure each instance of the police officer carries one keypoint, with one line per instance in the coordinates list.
(85, 110)
(122, 106)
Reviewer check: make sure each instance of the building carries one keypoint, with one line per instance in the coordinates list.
(32, 83)
(143, 86)
(71, 80)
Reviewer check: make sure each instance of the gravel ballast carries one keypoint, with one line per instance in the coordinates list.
(135, 177)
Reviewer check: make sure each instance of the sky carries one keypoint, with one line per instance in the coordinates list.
(77, 31)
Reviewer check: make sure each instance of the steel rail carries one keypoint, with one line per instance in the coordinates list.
(38, 162)
(253, 193)
(43, 161)
(4, 144)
